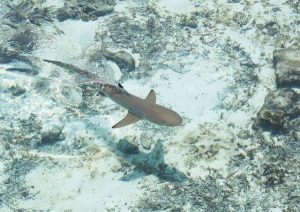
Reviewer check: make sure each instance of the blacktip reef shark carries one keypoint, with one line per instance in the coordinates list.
(138, 108)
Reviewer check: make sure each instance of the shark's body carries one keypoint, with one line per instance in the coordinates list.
(138, 108)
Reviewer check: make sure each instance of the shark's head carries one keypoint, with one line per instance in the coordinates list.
(108, 89)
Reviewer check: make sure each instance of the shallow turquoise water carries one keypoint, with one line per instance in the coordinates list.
(211, 62)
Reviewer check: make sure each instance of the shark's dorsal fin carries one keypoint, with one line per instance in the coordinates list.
(130, 118)
(151, 96)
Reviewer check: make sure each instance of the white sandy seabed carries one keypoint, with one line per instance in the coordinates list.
(86, 182)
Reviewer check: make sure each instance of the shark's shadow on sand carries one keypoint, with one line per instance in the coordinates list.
(145, 163)
(151, 163)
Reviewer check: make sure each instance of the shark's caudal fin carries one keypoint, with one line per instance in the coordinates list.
(130, 118)
(86, 77)
(72, 69)
(151, 97)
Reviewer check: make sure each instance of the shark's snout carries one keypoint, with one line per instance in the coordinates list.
(173, 119)
(178, 120)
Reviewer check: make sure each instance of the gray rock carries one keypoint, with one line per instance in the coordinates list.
(146, 144)
(244, 134)
(16, 90)
(24, 12)
(65, 14)
(126, 147)
(279, 111)
(189, 21)
(123, 59)
(296, 135)
(52, 134)
(7, 55)
(50, 137)
(241, 18)
(24, 40)
(85, 11)
(270, 28)
(287, 64)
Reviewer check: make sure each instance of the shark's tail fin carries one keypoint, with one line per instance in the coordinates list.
(71, 68)
(84, 76)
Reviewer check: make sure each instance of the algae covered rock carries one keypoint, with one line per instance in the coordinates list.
(279, 111)
(287, 64)
(85, 10)
(17, 90)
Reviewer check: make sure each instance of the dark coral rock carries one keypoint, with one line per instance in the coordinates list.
(271, 28)
(241, 18)
(24, 41)
(274, 175)
(189, 21)
(51, 136)
(17, 90)
(272, 119)
(6, 55)
(27, 11)
(279, 110)
(65, 14)
(91, 12)
(287, 64)
(85, 10)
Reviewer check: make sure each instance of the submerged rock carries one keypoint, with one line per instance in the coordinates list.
(85, 11)
(52, 135)
(287, 64)
(16, 90)
(189, 21)
(146, 144)
(7, 55)
(24, 40)
(27, 11)
(123, 59)
(279, 111)
(65, 14)
(271, 28)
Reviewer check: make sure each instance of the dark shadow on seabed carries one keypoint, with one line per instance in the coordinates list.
(151, 163)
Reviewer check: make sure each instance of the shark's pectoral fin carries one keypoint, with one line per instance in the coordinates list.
(130, 118)
(151, 96)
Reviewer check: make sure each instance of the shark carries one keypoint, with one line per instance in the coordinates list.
(138, 108)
